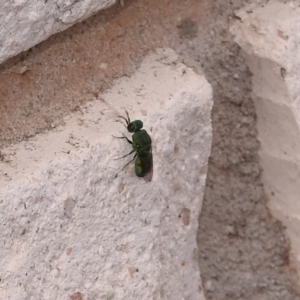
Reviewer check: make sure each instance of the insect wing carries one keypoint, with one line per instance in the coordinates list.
(147, 164)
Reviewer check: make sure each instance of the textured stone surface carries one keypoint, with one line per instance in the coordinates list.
(71, 228)
(270, 38)
(27, 23)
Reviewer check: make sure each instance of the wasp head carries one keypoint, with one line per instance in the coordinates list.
(135, 126)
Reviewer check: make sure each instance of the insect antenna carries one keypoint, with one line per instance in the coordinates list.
(119, 121)
(127, 116)
(127, 120)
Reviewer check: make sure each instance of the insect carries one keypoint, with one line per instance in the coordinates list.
(142, 146)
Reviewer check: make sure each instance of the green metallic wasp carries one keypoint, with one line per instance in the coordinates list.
(142, 146)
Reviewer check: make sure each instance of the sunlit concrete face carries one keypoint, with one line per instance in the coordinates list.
(76, 225)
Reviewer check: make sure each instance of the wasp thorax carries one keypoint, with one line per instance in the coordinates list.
(135, 126)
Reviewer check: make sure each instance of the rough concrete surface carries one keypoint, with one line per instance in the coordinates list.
(24, 23)
(73, 222)
(243, 250)
(270, 37)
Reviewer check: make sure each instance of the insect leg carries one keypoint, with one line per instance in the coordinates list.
(124, 155)
(135, 155)
(123, 137)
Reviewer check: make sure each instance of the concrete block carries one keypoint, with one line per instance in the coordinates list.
(27, 23)
(270, 39)
(74, 225)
